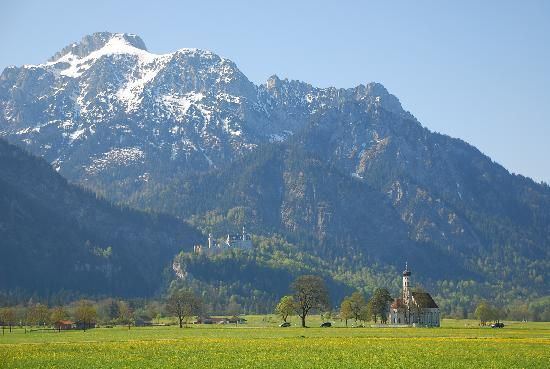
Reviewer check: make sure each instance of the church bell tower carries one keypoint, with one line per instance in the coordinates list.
(406, 285)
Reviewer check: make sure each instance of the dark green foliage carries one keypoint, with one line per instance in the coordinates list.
(421, 197)
(55, 236)
(286, 190)
(490, 237)
(378, 304)
(309, 293)
(255, 279)
(183, 304)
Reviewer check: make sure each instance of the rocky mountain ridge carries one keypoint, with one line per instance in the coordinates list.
(191, 107)
(142, 129)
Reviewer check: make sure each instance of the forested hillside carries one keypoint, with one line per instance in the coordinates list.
(345, 176)
(58, 238)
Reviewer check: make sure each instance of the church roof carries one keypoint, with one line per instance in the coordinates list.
(424, 300)
(397, 303)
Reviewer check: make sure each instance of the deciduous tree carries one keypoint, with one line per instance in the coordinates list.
(310, 293)
(234, 309)
(365, 313)
(38, 314)
(57, 314)
(183, 304)
(8, 317)
(484, 312)
(125, 314)
(378, 304)
(357, 303)
(345, 310)
(285, 307)
(86, 313)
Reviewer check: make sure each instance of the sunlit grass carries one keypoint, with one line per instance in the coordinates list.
(260, 344)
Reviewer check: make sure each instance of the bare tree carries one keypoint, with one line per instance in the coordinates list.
(310, 293)
(8, 317)
(125, 314)
(38, 315)
(233, 309)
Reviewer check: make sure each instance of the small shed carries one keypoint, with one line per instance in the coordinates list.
(64, 325)
(84, 325)
(211, 320)
(143, 323)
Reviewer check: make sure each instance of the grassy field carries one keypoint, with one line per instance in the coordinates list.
(261, 344)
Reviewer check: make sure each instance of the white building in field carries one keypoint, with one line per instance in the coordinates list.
(241, 241)
(418, 308)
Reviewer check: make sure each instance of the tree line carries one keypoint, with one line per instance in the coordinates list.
(309, 294)
(84, 313)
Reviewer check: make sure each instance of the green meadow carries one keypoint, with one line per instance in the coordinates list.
(261, 344)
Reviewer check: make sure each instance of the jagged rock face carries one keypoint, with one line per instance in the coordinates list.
(109, 114)
(96, 41)
(107, 101)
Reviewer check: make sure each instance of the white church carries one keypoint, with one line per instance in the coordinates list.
(413, 308)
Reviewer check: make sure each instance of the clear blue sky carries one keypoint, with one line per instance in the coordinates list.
(477, 70)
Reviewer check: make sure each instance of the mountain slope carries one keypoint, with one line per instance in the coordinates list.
(444, 189)
(283, 189)
(343, 173)
(55, 236)
(103, 110)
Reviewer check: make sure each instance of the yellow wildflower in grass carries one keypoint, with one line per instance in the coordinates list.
(215, 347)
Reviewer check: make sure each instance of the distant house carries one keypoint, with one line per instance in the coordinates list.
(211, 320)
(64, 325)
(418, 308)
(143, 323)
(216, 321)
(84, 325)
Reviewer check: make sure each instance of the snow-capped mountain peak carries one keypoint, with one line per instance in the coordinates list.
(75, 59)
(98, 40)
(108, 94)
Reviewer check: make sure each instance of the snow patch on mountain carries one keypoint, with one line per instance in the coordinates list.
(116, 157)
(190, 105)
(72, 66)
(177, 105)
(77, 134)
(131, 94)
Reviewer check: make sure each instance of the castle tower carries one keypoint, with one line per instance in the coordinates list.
(246, 242)
(406, 285)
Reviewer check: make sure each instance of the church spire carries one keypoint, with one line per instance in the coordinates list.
(406, 284)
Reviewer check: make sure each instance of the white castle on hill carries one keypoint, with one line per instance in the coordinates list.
(233, 241)
(417, 308)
